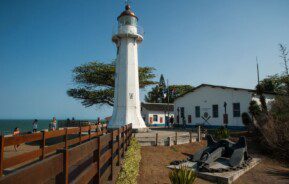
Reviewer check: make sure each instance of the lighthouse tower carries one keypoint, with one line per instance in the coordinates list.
(126, 107)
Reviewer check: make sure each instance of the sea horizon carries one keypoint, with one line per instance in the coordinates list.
(25, 125)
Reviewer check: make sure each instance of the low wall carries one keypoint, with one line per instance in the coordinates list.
(166, 137)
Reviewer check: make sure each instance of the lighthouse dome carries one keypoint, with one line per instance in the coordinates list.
(127, 12)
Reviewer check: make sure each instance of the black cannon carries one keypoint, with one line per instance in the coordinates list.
(235, 154)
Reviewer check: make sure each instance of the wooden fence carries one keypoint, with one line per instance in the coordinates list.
(93, 160)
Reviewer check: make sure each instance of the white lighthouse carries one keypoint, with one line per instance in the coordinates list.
(126, 107)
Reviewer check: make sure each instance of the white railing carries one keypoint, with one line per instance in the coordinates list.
(127, 29)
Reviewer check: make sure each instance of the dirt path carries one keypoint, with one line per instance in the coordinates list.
(154, 160)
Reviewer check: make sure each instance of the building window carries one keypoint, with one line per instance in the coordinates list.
(215, 111)
(236, 110)
(155, 118)
(182, 112)
(189, 119)
(197, 111)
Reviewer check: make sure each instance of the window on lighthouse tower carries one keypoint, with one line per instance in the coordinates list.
(127, 20)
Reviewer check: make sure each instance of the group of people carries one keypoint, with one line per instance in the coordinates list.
(52, 127)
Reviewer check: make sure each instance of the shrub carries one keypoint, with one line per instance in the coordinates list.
(274, 128)
(222, 133)
(182, 176)
(280, 108)
(130, 167)
(254, 108)
(247, 121)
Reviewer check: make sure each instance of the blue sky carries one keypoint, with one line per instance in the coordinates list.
(189, 41)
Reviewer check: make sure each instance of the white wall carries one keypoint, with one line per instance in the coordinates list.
(269, 98)
(149, 114)
(207, 96)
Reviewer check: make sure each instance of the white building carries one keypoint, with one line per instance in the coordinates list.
(209, 104)
(155, 114)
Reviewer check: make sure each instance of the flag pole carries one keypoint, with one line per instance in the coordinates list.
(258, 76)
(167, 119)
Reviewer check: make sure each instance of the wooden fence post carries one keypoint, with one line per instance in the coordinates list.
(118, 147)
(111, 157)
(156, 139)
(79, 134)
(190, 137)
(199, 133)
(65, 166)
(124, 140)
(98, 161)
(89, 132)
(176, 138)
(43, 143)
(66, 138)
(1, 153)
(130, 132)
(126, 137)
(123, 143)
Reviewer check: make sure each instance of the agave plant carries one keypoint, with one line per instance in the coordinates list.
(222, 133)
(183, 175)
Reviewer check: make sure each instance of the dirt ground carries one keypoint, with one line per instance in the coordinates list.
(155, 159)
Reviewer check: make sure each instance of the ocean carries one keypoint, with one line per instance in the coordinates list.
(25, 125)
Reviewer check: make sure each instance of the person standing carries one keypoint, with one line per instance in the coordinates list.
(16, 132)
(53, 124)
(98, 125)
(35, 125)
(171, 121)
(67, 122)
(73, 123)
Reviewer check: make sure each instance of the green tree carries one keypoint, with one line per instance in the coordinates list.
(274, 84)
(247, 121)
(156, 95)
(162, 83)
(95, 82)
(178, 90)
(260, 92)
(278, 84)
(254, 109)
(173, 91)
